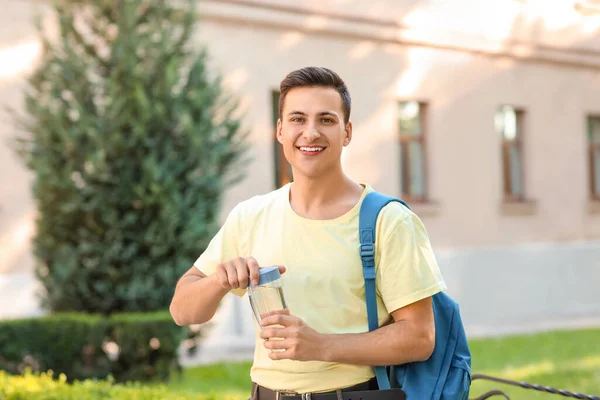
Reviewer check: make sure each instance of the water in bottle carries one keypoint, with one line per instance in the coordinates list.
(267, 298)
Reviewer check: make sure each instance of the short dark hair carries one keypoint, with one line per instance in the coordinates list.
(315, 76)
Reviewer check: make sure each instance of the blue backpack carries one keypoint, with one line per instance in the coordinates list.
(446, 375)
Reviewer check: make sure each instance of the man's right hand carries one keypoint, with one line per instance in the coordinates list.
(233, 274)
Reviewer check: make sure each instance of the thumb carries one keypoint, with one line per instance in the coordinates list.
(282, 269)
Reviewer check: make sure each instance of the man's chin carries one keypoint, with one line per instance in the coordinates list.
(309, 173)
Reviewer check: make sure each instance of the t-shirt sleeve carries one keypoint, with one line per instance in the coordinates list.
(224, 246)
(407, 270)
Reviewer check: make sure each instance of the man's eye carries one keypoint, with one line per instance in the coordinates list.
(328, 120)
(297, 119)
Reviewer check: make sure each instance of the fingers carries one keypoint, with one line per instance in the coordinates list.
(232, 275)
(241, 272)
(285, 311)
(222, 278)
(236, 273)
(282, 349)
(283, 318)
(293, 342)
(253, 267)
(227, 275)
(281, 355)
(278, 344)
(270, 333)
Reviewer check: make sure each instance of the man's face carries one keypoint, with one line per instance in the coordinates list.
(312, 130)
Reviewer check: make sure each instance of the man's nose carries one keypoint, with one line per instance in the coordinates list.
(311, 132)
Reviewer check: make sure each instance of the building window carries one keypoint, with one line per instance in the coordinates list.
(283, 169)
(593, 127)
(509, 125)
(411, 126)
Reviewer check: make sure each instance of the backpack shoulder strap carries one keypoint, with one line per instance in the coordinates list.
(370, 208)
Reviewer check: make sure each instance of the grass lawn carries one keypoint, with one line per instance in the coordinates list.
(564, 359)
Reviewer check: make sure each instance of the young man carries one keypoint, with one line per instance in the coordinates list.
(310, 229)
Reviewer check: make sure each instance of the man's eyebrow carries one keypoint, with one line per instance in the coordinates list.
(322, 113)
(331, 113)
(297, 113)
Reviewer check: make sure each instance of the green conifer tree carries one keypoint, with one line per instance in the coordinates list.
(132, 142)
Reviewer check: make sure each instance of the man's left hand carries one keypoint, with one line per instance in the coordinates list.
(293, 339)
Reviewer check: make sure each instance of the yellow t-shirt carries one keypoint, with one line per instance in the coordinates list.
(324, 284)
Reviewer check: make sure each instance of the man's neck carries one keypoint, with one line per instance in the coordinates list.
(328, 197)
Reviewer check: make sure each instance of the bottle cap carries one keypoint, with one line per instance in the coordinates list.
(268, 274)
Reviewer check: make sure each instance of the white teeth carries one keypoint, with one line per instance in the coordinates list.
(311, 148)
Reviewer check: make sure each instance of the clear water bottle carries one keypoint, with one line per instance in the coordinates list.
(266, 298)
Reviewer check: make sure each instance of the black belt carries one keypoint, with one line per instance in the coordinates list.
(365, 391)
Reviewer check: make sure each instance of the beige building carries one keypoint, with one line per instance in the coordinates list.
(484, 116)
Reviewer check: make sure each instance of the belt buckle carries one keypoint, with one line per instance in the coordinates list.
(287, 393)
(304, 396)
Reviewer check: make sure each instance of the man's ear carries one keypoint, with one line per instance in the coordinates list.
(279, 134)
(348, 137)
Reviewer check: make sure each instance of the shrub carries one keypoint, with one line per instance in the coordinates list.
(69, 343)
(131, 142)
(140, 347)
(46, 387)
(148, 345)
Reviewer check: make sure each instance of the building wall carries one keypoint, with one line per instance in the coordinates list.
(18, 51)
(463, 91)
(545, 60)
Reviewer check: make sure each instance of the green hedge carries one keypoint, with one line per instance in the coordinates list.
(74, 344)
(45, 387)
(67, 343)
(148, 344)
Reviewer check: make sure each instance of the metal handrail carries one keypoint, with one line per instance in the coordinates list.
(526, 385)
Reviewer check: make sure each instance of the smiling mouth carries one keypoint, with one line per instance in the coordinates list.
(310, 150)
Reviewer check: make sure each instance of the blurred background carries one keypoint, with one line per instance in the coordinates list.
(483, 116)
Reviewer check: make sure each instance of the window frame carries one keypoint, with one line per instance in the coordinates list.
(592, 147)
(404, 141)
(506, 145)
